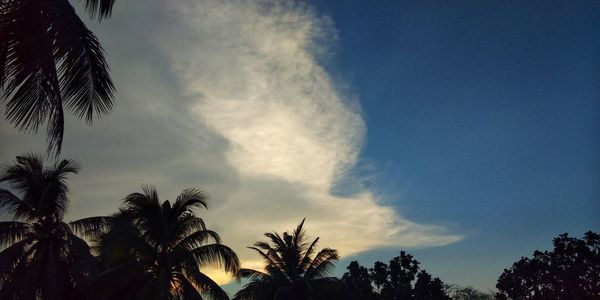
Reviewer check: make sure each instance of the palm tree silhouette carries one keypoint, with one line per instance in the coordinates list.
(49, 58)
(155, 250)
(291, 272)
(42, 258)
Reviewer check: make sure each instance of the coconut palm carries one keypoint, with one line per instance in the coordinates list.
(41, 256)
(155, 250)
(291, 271)
(50, 59)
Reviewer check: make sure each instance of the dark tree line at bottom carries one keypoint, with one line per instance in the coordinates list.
(157, 250)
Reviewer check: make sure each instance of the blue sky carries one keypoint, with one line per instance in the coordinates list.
(482, 115)
(465, 132)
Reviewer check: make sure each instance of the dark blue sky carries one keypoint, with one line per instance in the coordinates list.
(483, 116)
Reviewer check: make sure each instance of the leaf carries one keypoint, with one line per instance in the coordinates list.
(12, 232)
(31, 83)
(84, 80)
(100, 9)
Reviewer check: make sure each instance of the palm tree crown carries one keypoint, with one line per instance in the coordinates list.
(291, 271)
(155, 250)
(49, 58)
(41, 256)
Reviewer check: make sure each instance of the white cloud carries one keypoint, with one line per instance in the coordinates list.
(230, 96)
(286, 123)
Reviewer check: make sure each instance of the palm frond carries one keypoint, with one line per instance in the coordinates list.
(263, 245)
(188, 200)
(217, 255)
(252, 274)
(14, 271)
(185, 225)
(277, 240)
(26, 174)
(145, 202)
(298, 235)
(44, 190)
(92, 226)
(268, 258)
(62, 169)
(85, 83)
(306, 260)
(275, 266)
(12, 205)
(198, 238)
(30, 75)
(322, 264)
(205, 284)
(100, 9)
(146, 213)
(12, 232)
(188, 291)
(3, 50)
(56, 127)
(14, 253)
(80, 258)
(52, 201)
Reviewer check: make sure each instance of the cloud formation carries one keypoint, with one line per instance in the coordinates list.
(230, 96)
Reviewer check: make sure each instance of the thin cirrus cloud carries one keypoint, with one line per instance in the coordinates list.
(230, 96)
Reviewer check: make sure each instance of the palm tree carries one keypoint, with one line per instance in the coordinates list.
(155, 250)
(49, 58)
(291, 272)
(41, 256)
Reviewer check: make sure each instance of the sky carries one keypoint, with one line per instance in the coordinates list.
(465, 132)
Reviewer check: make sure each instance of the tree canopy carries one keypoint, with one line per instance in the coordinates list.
(570, 271)
(393, 281)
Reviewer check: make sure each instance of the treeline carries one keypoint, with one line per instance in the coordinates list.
(153, 249)
(402, 278)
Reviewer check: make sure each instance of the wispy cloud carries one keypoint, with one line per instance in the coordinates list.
(230, 96)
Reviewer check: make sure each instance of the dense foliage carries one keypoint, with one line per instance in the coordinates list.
(571, 271)
(393, 281)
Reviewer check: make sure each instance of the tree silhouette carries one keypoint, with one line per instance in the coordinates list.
(155, 250)
(42, 257)
(358, 281)
(291, 271)
(428, 288)
(570, 271)
(50, 59)
(393, 281)
(379, 275)
(401, 272)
